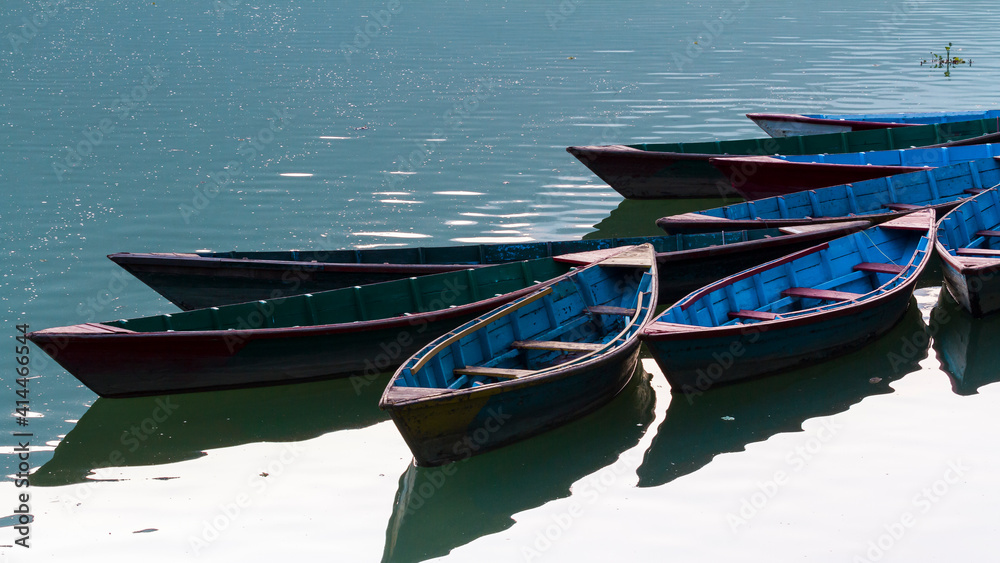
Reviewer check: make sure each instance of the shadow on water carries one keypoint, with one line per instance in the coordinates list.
(636, 218)
(171, 428)
(694, 432)
(965, 345)
(440, 508)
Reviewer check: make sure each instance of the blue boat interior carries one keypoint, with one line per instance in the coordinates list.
(850, 269)
(593, 311)
(939, 156)
(880, 195)
(973, 228)
(916, 118)
(361, 303)
(497, 253)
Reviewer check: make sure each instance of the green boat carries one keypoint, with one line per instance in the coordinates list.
(682, 170)
(353, 331)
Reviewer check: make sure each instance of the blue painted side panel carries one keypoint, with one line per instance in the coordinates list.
(930, 187)
(940, 156)
(921, 118)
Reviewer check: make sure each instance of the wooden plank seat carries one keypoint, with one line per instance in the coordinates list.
(493, 372)
(556, 345)
(879, 267)
(824, 294)
(752, 315)
(607, 310)
(977, 252)
(988, 233)
(901, 206)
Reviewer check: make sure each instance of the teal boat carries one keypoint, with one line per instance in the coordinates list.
(355, 331)
(682, 170)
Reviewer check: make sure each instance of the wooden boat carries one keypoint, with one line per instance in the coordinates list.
(756, 177)
(808, 306)
(790, 124)
(528, 366)
(968, 242)
(355, 331)
(686, 262)
(877, 200)
(682, 170)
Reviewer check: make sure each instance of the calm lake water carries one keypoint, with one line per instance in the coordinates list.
(178, 126)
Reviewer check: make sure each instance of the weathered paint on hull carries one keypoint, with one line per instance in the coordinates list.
(696, 363)
(464, 424)
(135, 364)
(977, 290)
(788, 127)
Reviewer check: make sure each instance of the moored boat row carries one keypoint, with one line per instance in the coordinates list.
(492, 344)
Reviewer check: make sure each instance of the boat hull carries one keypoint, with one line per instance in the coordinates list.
(195, 282)
(136, 364)
(966, 240)
(763, 176)
(639, 174)
(466, 424)
(191, 281)
(977, 289)
(682, 170)
(791, 125)
(694, 223)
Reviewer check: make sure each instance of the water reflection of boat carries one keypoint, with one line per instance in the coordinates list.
(171, 428)
(638, 218)
(725, 419)
(965, 345)
(440, 508)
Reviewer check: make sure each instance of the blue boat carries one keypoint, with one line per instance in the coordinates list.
(757, 177)
(968, 241)
(878, 200)
(808, 306)
(528, 366)
(793, 125)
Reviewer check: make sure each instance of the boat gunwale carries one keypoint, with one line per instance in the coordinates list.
(944, 250)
